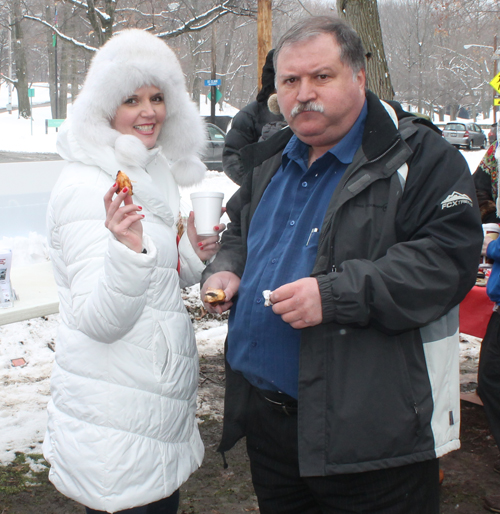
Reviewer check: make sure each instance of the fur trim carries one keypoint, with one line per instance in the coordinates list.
(188, 170)
(130, 151)
(272, 104)
(130, 60)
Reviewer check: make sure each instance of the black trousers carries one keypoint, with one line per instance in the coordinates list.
(489, 375)
(168, 505)
(271, 435)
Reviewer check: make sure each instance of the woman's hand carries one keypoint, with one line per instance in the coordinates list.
(205, 247)
(123, 221)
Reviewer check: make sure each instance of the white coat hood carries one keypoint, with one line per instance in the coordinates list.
(127, 62)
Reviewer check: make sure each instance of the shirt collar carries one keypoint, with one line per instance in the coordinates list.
(344, 150)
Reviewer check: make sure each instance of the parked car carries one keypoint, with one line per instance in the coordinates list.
(492, 134)
(213, 153)
(467, 134)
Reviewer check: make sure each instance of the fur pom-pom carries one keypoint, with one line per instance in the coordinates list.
(188, 171)
(272, 104)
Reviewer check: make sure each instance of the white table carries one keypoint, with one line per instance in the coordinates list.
(37, 292)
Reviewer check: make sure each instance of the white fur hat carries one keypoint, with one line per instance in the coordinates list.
(130, 60)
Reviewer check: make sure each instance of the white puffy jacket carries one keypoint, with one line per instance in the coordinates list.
(121, 429)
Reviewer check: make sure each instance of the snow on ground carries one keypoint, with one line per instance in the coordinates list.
(26, 389)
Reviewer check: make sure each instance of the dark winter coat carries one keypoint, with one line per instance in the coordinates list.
(246, 128)
(398, 250)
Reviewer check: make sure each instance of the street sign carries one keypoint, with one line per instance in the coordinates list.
(31, 92)
(218, 95)
(212, 82)
(496, 101)
(495, 83)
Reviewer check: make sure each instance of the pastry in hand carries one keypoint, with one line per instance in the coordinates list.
(123, 181)
(214, 296)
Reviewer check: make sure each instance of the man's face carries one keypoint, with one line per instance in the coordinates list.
(309, 76)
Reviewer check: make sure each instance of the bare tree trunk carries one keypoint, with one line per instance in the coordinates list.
(196, 63)
(226, 59)
(73, 73)
(364, 18)
(23, 101)
(453, 112)
(63, 84)
(49, 17)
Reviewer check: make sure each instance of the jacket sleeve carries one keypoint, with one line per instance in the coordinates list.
(102, 282)
(242, 133)
(191, 266)
(232, 254)
(433, 263)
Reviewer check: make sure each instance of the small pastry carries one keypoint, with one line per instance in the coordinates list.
(214, 296)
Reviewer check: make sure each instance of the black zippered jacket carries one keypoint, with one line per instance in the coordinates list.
(398, 250)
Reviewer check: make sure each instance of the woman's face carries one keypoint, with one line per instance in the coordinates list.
(142, 114)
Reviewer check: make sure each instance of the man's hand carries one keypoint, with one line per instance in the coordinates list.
(229, 283)
(299, 303)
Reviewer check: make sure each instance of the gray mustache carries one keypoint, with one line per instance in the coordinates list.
(308, 106)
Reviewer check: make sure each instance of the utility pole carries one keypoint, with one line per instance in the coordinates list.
(213, 89)
(264, 34)
(495, 71)
(54, 44)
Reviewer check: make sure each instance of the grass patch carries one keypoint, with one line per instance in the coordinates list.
(18, 476)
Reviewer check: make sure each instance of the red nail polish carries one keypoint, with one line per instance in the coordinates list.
(114, 185)
(200, 244)
(143, 215)
(139, 207)
(216, 227)
(125, 190)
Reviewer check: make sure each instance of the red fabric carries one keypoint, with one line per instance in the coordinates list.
(178, 239)
(475, 312)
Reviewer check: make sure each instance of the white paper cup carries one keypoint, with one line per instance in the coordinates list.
(207, 207)
(492, 229)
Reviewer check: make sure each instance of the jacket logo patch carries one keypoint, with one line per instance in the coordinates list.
(455, 199)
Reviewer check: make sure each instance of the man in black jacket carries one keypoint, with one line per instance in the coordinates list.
(247, 126)
(363, 223)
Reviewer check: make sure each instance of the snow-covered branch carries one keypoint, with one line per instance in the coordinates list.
(201, 21)
(60, 34)
(8, 79)
(103, 16)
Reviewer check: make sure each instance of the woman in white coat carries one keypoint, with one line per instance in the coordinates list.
(122, 434)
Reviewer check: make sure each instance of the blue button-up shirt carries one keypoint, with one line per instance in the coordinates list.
(282, 246)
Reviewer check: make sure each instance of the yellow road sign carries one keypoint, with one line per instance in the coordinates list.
(496, 101)
(495, 83)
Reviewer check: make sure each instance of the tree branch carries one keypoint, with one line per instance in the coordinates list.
(8, 79)
(61, 35)
(103, 16)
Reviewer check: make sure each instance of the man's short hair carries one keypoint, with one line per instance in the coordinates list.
(352, 52)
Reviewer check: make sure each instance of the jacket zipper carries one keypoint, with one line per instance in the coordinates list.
(323, 233)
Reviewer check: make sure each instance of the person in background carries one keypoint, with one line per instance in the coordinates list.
(492, 134)
(122, 433)
(247, 126)
(486, 182)
(361, 226)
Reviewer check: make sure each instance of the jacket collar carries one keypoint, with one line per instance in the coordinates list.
(381, 131)
(380, 134)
